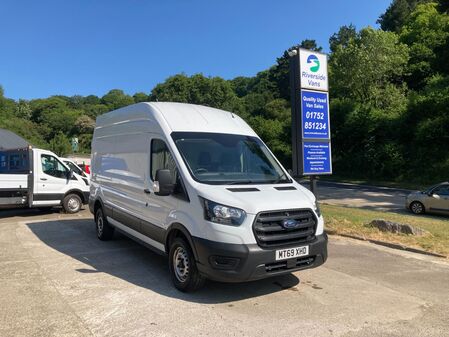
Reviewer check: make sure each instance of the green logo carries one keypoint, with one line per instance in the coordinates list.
(314, 63)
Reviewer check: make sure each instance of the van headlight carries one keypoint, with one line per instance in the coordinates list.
(316, 207)
(222, 214)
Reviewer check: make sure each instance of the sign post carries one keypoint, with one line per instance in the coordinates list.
(311, 144)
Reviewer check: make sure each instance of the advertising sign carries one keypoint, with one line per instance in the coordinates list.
(311, 146)
(313, 70)
(317, 158)
(315, 114)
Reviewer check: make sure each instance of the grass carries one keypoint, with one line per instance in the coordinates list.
(355, 221)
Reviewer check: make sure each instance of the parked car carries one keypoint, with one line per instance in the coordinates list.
(433, 200)
(198, 184)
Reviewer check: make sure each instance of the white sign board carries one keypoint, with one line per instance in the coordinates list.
(313, 70)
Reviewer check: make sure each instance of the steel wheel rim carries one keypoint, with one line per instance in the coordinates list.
(100, 225)
(73, 204)
(416, 207)
(181, 265)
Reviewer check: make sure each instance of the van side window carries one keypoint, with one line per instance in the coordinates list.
(161, 158)
(53, 167)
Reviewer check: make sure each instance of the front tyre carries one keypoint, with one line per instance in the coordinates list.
(105, 231)
(417, 207)
(71, 203)
(183, 270)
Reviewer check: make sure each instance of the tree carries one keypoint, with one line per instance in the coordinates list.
(397, 13)
(366, 64)
(116, 99)
(197, 89)
(84, 124)
(140, 97)
(426, 32)
(23, 109)
(60, 145)
(344, 36)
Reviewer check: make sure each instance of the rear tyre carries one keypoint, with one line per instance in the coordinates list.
(183, 270)
(417, 207)
(71, 203)
(105, 231)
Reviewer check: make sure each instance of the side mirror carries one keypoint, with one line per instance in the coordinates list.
(162, 184)
(70, 174)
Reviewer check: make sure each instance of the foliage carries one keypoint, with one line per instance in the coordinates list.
(60, 145)
(426, 31)
(389, 99)
(397, 13)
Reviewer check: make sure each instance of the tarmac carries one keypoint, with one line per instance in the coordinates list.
(58, 279)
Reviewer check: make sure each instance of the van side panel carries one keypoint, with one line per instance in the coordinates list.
(120, 167)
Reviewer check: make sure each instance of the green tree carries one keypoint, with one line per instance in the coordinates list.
(140, 97)
(84, 124)
(60, 145)
(397, 13)
(366, 64)
(197, 89)
(23, 109)
(424, 32)
(116, 99)
(344, 36)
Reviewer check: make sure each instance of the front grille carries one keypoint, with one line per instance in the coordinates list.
(270, 232)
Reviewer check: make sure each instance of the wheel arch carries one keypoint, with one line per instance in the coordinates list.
(77, 192)
(178, 230)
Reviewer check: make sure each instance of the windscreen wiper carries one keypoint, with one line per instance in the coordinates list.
(240, 182)
(281, 177)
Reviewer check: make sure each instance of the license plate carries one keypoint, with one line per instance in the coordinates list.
(290, 253)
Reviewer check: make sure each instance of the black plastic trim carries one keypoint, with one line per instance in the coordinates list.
(254, 262)
(285, 188)
(48, 196)
(142, 226)
(243, 189)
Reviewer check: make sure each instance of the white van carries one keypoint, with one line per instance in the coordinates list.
(75, 168)
(198, 184)
(37, 178)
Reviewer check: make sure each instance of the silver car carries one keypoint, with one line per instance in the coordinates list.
(433, 200)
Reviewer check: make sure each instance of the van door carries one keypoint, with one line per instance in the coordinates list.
(51, 178)
(157, 208)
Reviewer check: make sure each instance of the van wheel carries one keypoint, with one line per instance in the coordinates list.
(104, 230)
(71, 203)
(417, 207)
(183, 270)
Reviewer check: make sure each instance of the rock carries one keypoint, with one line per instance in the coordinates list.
(396, 227)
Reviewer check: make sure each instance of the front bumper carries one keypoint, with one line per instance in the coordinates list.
(238, 263)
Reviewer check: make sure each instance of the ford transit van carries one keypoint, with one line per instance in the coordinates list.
(198, 184)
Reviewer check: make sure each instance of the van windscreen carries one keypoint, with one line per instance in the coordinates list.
(216, 158)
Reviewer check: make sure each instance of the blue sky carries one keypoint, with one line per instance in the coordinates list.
(91, 46)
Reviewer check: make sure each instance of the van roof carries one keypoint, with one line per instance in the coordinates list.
(179, 117)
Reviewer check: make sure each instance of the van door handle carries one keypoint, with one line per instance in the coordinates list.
(147, 191)
(43, 178)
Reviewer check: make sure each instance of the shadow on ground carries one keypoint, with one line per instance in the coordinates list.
(126, 259)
